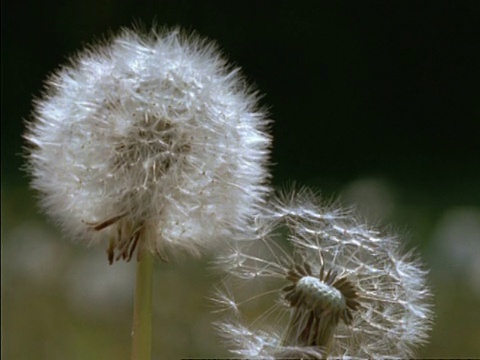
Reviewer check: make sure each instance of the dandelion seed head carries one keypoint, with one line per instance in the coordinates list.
(153, 136)
(316, 292)
(336, 287)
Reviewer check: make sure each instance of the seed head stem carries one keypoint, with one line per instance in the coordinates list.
(142, 313)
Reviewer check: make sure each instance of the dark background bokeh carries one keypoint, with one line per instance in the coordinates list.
(370, 100)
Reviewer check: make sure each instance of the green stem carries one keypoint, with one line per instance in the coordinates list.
(142, 313)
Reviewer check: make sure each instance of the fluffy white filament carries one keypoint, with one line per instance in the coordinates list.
(150, 136)
(388, 302)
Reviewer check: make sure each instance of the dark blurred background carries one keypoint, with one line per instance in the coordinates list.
(375, 102)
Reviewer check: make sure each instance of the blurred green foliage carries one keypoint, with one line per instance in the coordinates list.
(61, 301)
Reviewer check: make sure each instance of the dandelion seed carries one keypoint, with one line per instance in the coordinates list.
(149, 140)
(341, 289)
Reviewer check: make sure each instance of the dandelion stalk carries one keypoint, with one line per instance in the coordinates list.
(142, 312)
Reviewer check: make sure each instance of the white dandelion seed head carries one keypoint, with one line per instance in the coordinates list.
(336, 288)
(149, 135)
